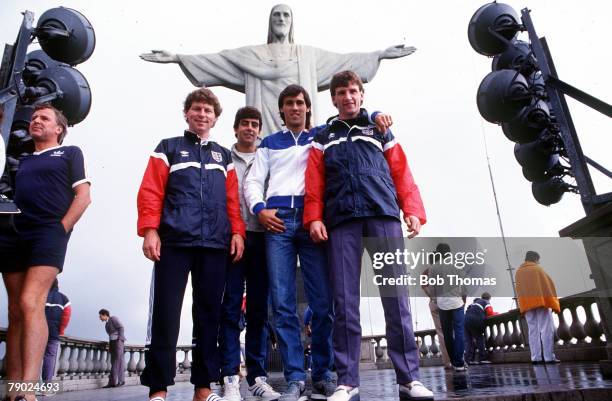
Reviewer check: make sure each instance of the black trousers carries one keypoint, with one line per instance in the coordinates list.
(207, 267)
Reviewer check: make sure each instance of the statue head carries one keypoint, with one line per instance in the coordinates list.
(280, 28)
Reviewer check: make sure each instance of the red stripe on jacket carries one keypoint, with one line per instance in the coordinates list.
(151, 194)
(408, 193)
(65, 319)
(233, 204)
(314, 187)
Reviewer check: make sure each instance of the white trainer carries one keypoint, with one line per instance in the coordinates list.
(345, 393)
(262, 390)
(415, 391)
(231, 388)
(214, 397)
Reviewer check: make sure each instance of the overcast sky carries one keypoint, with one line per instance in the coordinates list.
(430, 94)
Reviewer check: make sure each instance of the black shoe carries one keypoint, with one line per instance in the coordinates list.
(537, 363)
(553, 361)
(109, 386)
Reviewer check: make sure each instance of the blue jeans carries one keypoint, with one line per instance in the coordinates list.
(452, 322)
(282, 251)
(251, 268)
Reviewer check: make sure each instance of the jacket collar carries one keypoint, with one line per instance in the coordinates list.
(361, 119)
(192, 136)
(288, 131)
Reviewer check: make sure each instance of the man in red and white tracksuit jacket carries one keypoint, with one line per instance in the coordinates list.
(357, 180)
(189, 216)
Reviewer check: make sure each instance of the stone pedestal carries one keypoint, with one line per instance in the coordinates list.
(596, 230)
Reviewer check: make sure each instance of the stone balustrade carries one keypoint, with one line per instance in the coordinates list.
(88, 361)
(576, 340)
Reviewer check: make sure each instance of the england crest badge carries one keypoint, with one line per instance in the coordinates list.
(216, 156)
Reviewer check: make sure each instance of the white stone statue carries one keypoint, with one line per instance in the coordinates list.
(263, 71)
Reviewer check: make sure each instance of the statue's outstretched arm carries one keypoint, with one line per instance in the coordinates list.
(160, 56)
(396, 52)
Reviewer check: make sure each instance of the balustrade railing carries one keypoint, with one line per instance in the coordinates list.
(89, 359)
(506, 336)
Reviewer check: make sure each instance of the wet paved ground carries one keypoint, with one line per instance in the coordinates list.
(508, 382)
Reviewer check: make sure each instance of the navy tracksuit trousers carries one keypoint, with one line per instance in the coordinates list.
(208, 268)
(344, 254)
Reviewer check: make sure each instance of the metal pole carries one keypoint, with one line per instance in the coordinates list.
(564, 119)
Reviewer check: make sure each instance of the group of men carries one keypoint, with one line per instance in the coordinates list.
(247, 214)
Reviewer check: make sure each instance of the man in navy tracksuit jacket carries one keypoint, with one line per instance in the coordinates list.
(188, 214)
(357, 180)
(475, 317)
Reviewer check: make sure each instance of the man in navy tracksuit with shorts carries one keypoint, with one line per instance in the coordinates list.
(52, 192)
(189, 215)
(357, 181)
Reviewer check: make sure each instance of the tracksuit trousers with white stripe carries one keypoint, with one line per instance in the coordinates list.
(208, 268)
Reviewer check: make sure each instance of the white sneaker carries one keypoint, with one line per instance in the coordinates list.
(214, 397)
(345, 393)
(415, 391)
(231, 388)
(262, 390)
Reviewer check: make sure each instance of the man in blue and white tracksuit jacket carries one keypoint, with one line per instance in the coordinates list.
(281, 158)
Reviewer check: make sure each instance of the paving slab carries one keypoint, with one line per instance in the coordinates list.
(503, 382)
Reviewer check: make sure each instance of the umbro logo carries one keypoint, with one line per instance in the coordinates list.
(57, 153)
(184, 153)
(331, 136)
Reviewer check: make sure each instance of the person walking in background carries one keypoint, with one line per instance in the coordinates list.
(475, 316)
(116, 338)
(537, 295)
(450, 299)
(57, 312)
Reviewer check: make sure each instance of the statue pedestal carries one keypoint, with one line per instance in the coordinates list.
(596, 230)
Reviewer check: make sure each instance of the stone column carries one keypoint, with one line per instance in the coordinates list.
(596, 228)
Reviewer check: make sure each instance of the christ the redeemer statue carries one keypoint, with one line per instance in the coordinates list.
(263, 71)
